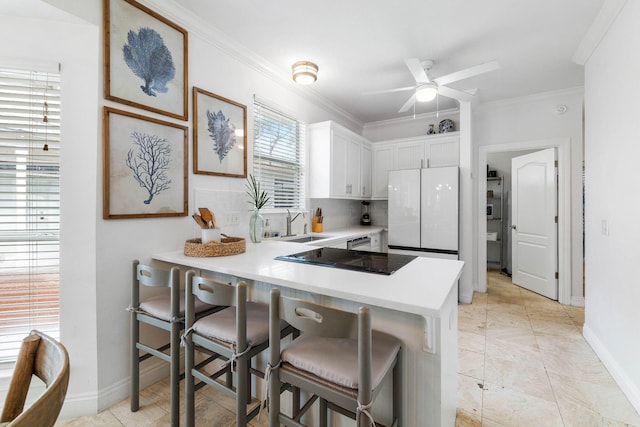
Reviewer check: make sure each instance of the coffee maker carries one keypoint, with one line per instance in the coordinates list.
(365, 219)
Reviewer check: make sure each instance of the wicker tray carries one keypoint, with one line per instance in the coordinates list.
(226, 246)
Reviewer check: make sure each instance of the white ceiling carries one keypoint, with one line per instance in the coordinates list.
(361, 45)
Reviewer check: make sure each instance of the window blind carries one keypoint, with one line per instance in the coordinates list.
(278, 156)
(29, 206)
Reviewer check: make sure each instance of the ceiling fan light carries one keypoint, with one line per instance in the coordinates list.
(426, 93)
(304, 72)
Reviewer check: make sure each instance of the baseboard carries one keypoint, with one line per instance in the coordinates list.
(577, 301)
(628, 388)
(81, 404)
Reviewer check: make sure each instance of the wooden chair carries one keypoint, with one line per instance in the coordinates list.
(234, 335)
(166, 312)
(46, 358)
(337, 359)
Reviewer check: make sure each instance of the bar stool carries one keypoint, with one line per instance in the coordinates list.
(235, 335)
(165, 312)
(337, 359)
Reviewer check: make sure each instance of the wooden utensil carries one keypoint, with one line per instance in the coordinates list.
(206, 216)
(213, 220)
(200, 221)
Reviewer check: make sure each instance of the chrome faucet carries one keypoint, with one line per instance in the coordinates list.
(290, 220)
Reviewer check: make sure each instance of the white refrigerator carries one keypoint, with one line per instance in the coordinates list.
(423, 211)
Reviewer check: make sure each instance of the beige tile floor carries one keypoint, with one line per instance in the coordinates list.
(523, 362)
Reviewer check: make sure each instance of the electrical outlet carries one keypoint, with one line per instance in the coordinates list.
(232, 218)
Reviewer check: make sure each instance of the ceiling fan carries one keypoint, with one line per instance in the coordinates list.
(427, 89)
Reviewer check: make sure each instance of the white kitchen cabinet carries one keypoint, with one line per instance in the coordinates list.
(411, 153)
(443, 150)
(366, 163)
(382, 164)
(336, 168)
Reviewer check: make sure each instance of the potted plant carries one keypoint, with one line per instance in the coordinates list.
(258, 199)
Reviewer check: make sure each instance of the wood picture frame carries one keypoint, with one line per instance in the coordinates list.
(144, 166)
(145, 59)
(219, 135)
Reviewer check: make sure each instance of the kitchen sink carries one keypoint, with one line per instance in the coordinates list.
(306, 239)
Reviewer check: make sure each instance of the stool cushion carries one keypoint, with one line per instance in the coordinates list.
(222, 325)
(160, 306)
(336, 359)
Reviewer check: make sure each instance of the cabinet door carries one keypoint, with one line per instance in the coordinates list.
(409, 155)
(365, 175)
(339, 164)
(444, 152)
(382, 164)
(353, 168)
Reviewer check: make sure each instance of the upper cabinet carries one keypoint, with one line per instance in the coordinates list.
(427, 151)
(339, 162)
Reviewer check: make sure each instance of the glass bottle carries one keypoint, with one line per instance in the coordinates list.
(256, 226)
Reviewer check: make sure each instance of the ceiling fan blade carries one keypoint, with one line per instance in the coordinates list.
(408, 104)
(399, 89)
(467, 72)
(455, 94)
(415, 67)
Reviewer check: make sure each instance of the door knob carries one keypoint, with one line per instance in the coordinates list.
(513, 227)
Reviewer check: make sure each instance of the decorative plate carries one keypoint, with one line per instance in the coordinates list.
(446, 125)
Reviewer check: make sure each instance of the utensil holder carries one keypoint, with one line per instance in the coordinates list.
(316, 226)
(209, 234)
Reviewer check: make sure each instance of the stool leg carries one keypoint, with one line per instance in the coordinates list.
(397, 390)
(175, 374)
(241, 391)
(135, 363)
(323, 412)
(189, 380)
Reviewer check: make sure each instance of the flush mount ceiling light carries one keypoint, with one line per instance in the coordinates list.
(304, 72)
(426, 92)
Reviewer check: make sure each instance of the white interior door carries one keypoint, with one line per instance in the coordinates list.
(534, 226)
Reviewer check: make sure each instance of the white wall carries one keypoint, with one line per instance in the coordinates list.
(97, 253)
(74, 46)
(536, 118)
(612, 194)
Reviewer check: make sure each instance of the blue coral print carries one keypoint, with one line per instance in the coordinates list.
(222, 132)
(149, 58)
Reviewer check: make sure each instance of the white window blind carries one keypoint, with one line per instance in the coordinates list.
(29, 206)
(278, 156)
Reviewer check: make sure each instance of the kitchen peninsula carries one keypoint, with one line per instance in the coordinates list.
(417, 303)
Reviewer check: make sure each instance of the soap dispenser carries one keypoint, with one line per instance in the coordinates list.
(267, 228)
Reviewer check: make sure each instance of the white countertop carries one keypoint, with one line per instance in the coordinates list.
(420, 287)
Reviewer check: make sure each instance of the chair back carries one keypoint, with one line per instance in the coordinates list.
(155, 277)
(46, 358)
(316, 319)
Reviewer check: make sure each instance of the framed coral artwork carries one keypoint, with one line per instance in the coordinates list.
(219, 135)
(145, 59)
(145, 166)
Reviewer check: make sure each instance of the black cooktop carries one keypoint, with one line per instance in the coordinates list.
(369, 262)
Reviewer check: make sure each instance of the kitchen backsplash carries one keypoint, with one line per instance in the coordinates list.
(232, 213)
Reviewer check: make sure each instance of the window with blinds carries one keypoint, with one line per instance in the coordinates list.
(29, 206)
(278, 156)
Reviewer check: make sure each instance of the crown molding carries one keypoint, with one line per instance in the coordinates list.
(411, 119)
(242, 54)
(598, 29)
(577, 90)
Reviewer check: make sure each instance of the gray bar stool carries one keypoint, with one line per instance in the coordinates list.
(235, 335)
(337, 359)
(166, 312)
